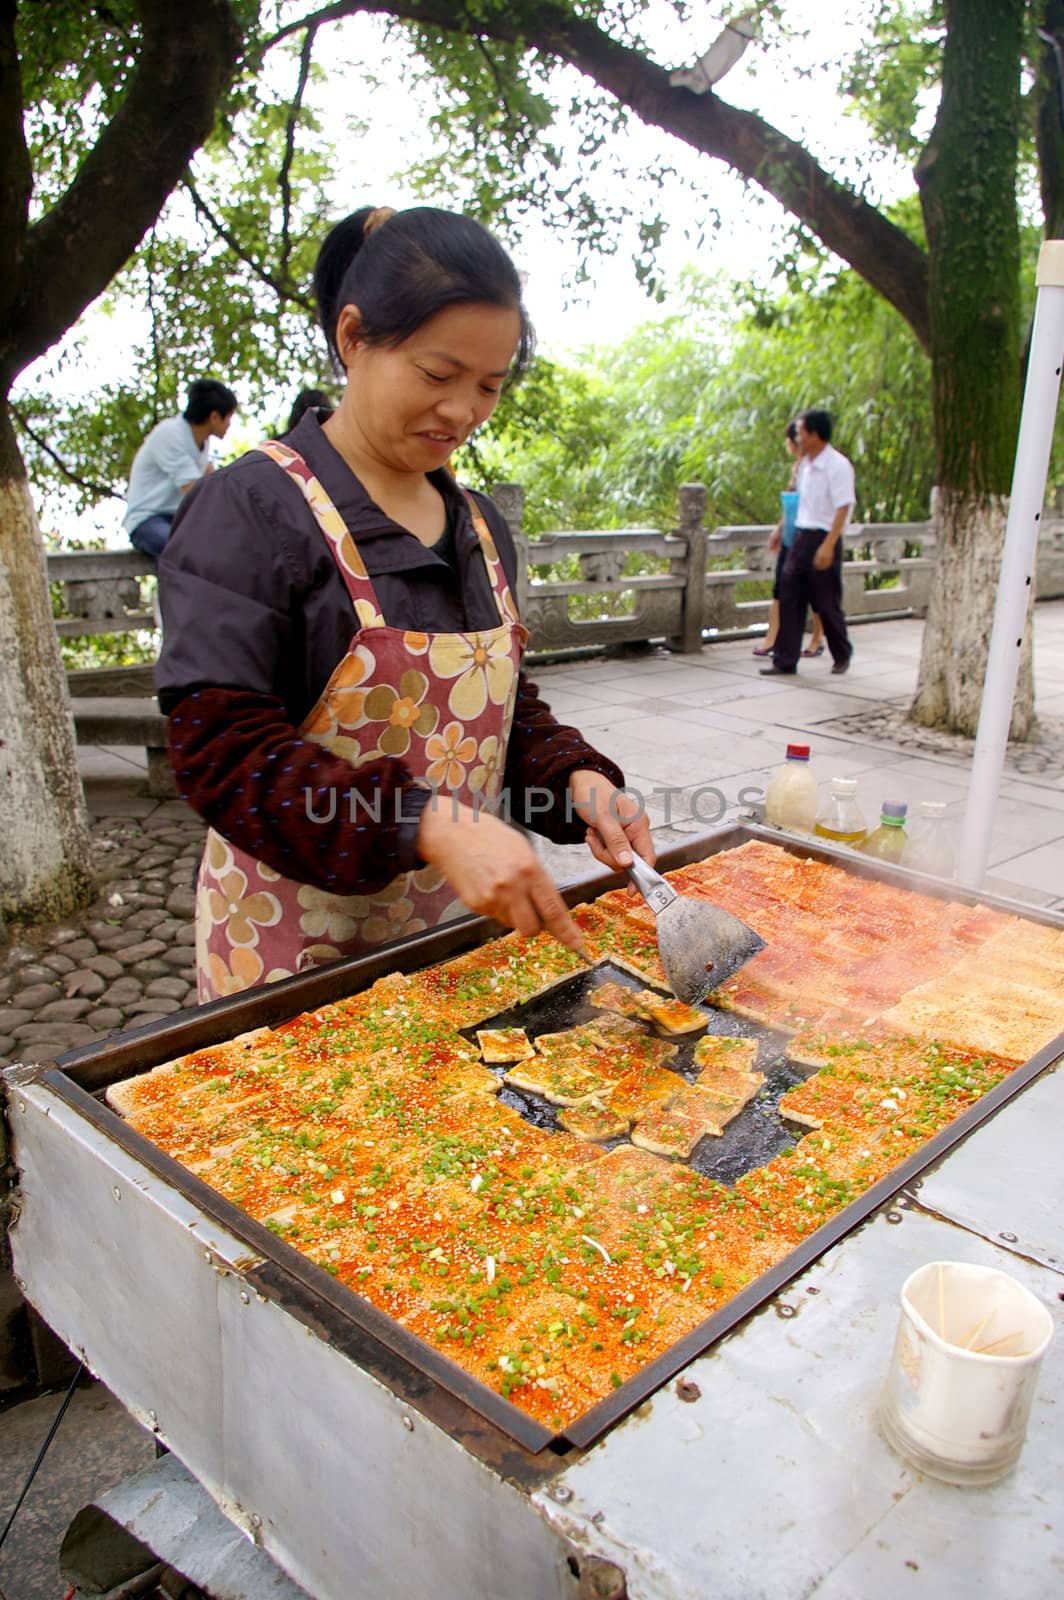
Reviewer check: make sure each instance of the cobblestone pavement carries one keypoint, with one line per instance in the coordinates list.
(127, 959)
(1041, 756)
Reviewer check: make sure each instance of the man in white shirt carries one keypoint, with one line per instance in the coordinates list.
(812, 573)
(174, 456)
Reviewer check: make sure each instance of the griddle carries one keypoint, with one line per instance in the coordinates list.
(490, 1426)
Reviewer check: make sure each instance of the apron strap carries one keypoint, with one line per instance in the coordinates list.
(343, 548)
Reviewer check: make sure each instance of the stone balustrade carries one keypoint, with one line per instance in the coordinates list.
(589, 589)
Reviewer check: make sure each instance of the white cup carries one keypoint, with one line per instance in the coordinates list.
(963, 1372)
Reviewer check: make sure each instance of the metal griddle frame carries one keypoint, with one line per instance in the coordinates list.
(490, 1426)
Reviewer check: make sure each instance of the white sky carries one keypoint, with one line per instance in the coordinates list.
(788, 88)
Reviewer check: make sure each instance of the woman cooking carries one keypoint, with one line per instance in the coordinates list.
(341, 662)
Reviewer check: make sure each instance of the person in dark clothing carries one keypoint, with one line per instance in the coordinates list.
(812, 572)
(309, 400)
(341, 656)
(779, 542)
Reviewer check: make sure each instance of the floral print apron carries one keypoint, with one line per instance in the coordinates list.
(444, 702)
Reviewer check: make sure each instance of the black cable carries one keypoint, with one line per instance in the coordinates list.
(60, 1414)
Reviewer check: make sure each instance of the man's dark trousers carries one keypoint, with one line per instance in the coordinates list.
(802, 585)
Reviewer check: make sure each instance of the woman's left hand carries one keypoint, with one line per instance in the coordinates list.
(617, 821)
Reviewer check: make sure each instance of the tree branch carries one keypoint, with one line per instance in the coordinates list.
(315, 20)
(500, 88)
(167, 111)
(102, 491)
(882, 253)
(284, 177)
(16, 173)
(283, 289)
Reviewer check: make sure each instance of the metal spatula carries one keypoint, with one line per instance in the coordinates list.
(701, 945)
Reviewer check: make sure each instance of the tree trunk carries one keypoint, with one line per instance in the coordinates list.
(1049, 119)
(50, 270)
(953, 662)
(967, 179)
(45, 861)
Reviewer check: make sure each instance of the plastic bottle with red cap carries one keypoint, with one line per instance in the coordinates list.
(791, 797)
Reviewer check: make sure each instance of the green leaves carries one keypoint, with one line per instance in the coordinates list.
(895, 77)
(704, 396)
(220, 287)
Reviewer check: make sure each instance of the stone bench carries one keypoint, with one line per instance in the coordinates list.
(124, 720)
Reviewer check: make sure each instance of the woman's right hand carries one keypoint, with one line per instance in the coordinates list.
(494, 870)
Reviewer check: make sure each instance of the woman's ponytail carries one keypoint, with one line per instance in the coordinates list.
(339, 249)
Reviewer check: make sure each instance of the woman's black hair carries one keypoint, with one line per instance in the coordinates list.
(408, 269)
(792, 432)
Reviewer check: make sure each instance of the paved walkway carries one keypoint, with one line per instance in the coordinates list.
(711, 729)
(708, 729)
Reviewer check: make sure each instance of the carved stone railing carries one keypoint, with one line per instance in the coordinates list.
(903, 582)
(620, 586)
(101, 591)
(630, 605)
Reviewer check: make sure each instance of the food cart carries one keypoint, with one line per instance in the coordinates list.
(746, 1462)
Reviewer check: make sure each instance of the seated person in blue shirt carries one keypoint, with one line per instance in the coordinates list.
(174, 456)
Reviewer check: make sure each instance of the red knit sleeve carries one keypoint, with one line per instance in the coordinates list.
(310, 815)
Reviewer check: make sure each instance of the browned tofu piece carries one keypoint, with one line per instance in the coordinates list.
(562, 1081)
(641, 1089)
(674, 1130)
(724, 1050)
(593, 1122)
(615, 997)
(669, 1014)
(672, 1015)
(728, 1085)
(669, 1133)
(504, 1044)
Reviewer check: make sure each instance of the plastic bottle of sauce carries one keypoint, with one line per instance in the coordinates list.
(841, 818)
(930, 848)
(791, 797)
(888, 841)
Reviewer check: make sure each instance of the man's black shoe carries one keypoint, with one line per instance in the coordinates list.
(839, 667)
(779, 672)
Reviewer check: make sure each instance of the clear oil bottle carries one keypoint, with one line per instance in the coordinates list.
(841, 819)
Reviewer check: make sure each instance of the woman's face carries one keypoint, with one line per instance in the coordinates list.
(410, 406)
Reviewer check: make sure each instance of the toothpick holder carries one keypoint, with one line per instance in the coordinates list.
(963, 1373)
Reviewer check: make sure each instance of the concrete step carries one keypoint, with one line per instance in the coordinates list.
(121, 720)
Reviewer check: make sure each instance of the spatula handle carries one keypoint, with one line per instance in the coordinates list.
(651, 885)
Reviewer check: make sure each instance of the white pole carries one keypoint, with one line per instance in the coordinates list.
(1037, 420)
